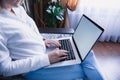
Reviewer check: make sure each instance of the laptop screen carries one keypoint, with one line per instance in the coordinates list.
(86, 35)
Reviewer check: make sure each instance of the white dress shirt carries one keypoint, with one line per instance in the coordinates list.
(22, 48)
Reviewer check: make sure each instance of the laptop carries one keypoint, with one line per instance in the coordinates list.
(80, 43)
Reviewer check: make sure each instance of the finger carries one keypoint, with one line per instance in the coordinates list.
(62, 58)
(63, 51)
(62, 54)
(48, 45)
(57, 51)
(56, 43)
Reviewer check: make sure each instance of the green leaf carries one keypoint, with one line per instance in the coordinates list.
(56, 12)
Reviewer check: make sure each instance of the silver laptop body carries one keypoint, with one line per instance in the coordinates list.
(82, 41)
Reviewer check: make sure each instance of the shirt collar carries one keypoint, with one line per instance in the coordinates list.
(4, 11)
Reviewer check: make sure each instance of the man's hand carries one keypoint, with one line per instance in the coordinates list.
(57, 55)
(48, 42)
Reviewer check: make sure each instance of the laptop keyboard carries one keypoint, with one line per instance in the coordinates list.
(66, 45)
(54, 36)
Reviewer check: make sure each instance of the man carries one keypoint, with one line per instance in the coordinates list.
(22, 48)
(21, 45)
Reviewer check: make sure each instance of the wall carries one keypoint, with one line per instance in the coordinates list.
(104, 12)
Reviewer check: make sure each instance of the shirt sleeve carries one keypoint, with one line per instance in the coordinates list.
(9, 67)
(30, 61)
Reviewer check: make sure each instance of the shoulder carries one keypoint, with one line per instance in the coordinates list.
(19, 9)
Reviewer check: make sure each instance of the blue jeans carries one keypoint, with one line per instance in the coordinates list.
(88, 70)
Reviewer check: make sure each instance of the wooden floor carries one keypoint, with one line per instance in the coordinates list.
(108, 55)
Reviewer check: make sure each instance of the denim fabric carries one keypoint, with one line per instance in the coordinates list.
(91, 68)
(87, 69)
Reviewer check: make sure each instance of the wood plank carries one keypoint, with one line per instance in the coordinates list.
(108, 56)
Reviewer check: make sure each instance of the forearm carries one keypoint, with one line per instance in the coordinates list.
(9, 68)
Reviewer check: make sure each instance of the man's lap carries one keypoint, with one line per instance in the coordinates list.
(87, 69)
(91, 68)
(59, 73)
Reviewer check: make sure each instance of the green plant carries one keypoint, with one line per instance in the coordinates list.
(54, 14)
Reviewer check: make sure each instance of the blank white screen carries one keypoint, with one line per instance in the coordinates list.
(85, 36)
